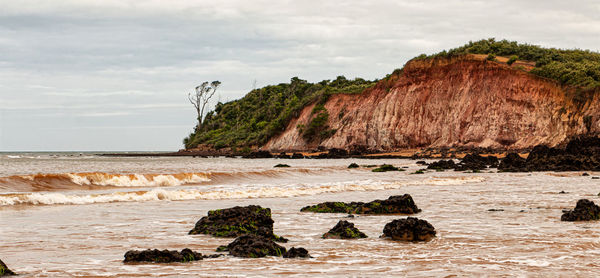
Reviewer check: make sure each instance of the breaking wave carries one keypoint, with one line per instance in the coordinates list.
(191, 194)
(39, 182)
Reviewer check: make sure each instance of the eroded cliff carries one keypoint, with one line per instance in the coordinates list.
(449, 102)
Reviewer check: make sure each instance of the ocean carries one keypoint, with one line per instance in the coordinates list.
(76, 214)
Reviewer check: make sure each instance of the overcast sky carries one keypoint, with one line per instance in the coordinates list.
(114, 74)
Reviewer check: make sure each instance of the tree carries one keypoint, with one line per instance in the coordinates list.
(200, 99)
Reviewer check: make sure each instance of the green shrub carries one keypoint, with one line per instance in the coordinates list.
(512, 60)
(491, 57)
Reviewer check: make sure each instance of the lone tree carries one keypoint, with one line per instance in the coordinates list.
(201, 98)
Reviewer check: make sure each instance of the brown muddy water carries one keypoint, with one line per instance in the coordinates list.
(76, 216)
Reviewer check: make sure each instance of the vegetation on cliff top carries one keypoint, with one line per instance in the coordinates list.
(264, 112)
(576, 67)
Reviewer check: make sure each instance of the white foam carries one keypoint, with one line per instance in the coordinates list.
(174, 195)
(136, 180)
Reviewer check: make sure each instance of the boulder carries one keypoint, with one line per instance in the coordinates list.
(297, 156)
(585, 210)
(259, 154)
(409, 229)
(344, 230)
(512, 163)
(442, 165)
(394, 204)
(237, 221)
(296, 253)
(353, 165)
(476, 162)
(4, 270)
(281, 166)
(254, 246)
(385, 168)
(164, 256)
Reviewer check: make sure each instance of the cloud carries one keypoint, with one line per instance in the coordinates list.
(107, 58)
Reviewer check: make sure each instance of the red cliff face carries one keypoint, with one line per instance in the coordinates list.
(449, 103)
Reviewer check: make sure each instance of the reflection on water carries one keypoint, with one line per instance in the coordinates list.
(527, 238)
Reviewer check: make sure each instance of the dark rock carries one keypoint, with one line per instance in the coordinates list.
(442, 165)
(353, 165)
(421, 162)
(297, 253)
(350, 216)
(259, 154)
(595, 178)
(495, 210)
(222, 248)
(394, 204)
(385, 168)
(334, 153)
(297, 156)
(253, 246)
(476, 162)
(409, 229)
(585, 175)
(580, 154)
(512, 163)
(236, 221)
(585, 210)
(164, 256)
(562, 192)
(283, 155)
(344, 230)
(281, 166)
(4, 270)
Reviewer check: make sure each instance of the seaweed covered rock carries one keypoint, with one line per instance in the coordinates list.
(476, 162)
(585, 210)
(4, 270)
(385, 168)
(409, 229)
(296, 253)
(259, 154)
(237, 221)
(344, 230)
(353, 165)
(512, 163)
(164, 256)
(394, 204)
(442, 165)
(254, 246)
(281, 166)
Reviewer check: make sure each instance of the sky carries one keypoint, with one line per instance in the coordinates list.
(113, 75)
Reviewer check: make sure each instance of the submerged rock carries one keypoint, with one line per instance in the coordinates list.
(254, 246)
(281, 166)
(344, 230)
(385, 168)
(585, 210)
(297, 253)
(164, 256)
(409, 229)
(394, 204)
(353, 165)
(237, 221)
(4, 270)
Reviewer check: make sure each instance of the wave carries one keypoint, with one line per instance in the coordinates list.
(40, 182)
(178, 195)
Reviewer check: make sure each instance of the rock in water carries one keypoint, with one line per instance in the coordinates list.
(237, 221)
(512, 163)
(353, 165)
(297, 253)
(344, 230)
(164, 256)
(394, 204)
(585, 210)
(442, 165)
(4, 270)
(254, 246)
(409, 229)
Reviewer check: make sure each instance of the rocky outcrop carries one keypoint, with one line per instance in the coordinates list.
(4, 270)
(344, 230)
(237, 221)
(394, 204)
(585, 210)
(451, 102)
(512, 163)
(254, 246)
(164, 256)
(409, 229)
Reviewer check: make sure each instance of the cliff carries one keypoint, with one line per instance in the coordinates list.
(450, 102)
